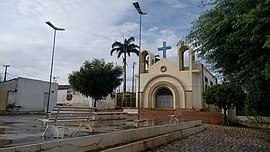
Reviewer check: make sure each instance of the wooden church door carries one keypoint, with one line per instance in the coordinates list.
(164, 98)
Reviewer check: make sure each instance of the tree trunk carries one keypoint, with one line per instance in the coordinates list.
(95, 103)
(125, 79)
(225, 115)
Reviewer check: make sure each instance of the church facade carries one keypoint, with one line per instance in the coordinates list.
(168, 85)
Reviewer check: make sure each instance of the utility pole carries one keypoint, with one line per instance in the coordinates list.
(55, 79)
(6, 66)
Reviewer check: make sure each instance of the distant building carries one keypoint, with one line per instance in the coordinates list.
(67, 96)
(23, 94)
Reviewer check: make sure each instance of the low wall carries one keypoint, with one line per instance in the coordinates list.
(233, 117)
(109, 115)
(155, 141)
(102, 141)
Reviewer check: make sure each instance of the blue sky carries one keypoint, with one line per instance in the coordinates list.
(91, 27)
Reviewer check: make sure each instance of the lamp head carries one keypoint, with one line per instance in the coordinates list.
(54, 27)
(138, 8)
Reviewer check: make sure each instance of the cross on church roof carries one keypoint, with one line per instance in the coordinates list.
(164, 48)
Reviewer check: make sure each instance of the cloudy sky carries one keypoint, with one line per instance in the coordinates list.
(91, 26)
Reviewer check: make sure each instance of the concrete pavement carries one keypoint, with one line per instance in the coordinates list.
(220, 139)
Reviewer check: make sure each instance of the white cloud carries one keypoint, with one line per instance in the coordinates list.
(91, 27)
(176, 3)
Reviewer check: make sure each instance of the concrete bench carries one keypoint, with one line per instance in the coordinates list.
(131, 111)
(66, 115)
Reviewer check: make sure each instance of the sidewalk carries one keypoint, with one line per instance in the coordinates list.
(222, 138)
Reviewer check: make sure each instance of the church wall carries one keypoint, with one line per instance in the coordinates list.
(179, 79)
(197, 91)
(171, 69)
(156, 68)
(153, 84)
(186, 85)
(185, 77)
(188, 100)
(208, 81)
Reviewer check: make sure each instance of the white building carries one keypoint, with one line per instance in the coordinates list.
(67, 96)
(23, 94)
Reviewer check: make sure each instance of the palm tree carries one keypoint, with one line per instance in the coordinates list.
(125, 49)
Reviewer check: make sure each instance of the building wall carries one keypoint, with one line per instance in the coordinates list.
(77, 98)
(211, 80)
(186, 83)
(188, 98)
(106, 103)
(180, 80)
(27, 94)
(197, 91)
(6, 89)
(168, 82)
(32, 95)
(80, 100)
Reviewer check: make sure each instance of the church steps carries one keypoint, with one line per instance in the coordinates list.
(153, 142)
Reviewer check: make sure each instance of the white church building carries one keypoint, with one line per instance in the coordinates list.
(168, 85)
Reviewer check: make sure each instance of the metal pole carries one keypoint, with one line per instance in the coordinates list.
(132, 87)
(137, 6)
(133, 66)
(50, 84)
(5, 77)
(139, 78)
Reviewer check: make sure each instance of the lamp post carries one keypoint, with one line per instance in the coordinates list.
(133, 66)
(6, 66)
(137, 6)
(50, 84)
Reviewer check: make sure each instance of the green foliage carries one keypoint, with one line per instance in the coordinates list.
(124, 49)
(225, 96)
(96, 79)
(235, 36)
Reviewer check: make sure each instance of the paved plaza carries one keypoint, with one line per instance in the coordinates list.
(25, 129)
(222, 138)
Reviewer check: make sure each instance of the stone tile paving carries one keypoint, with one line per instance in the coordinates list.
(222, 138)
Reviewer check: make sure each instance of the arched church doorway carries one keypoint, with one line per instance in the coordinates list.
(164, 98)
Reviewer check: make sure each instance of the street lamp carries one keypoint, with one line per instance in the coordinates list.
(132, 87)
(137, 6)
(133, 66)
(50, 84)
(6, 66)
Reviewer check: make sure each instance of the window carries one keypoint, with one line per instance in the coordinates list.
(206, 79)
(211, 83)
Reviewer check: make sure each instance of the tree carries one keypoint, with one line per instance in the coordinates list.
(235, 37)
(124, 49)
(225, 96)
(96, 79)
